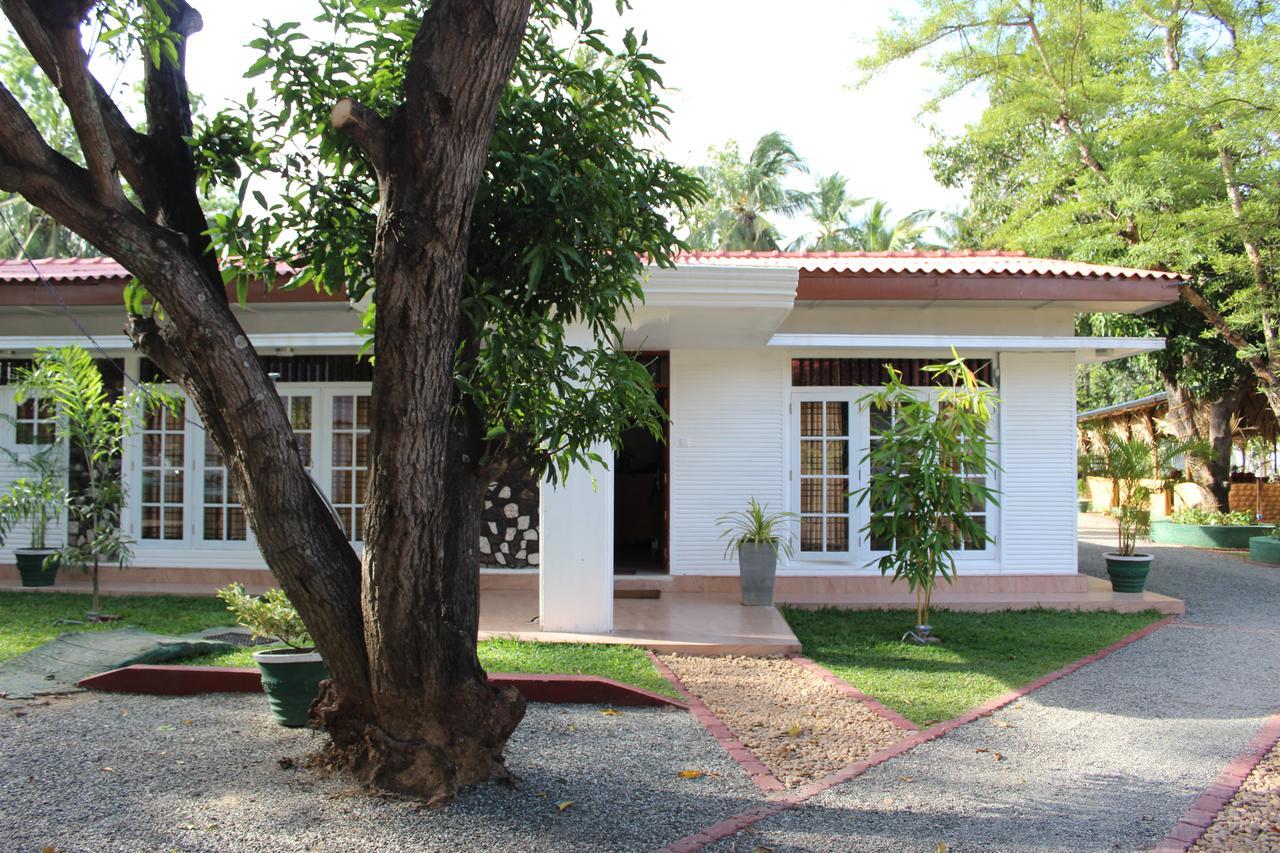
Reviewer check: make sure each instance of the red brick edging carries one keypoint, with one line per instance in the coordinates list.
(1204, 811)
(738, 751)
(853, 693)
(181, 680)
(737, 823)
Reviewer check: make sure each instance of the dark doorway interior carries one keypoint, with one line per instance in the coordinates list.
(640, 519)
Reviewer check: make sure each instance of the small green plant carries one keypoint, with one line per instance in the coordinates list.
(1137, 467)
(755, 525)
(270, 616)
(94, 423)
(929, 470)
(1200, 515)
(36, 499)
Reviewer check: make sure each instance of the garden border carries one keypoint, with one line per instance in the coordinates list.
(179, 680)
(738, 751)
(1205, 810)
(852, 692)
(778, 804)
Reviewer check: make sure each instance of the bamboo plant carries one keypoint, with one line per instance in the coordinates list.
(929, 469)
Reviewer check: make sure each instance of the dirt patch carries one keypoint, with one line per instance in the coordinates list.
(798, 725)
(1251, 821)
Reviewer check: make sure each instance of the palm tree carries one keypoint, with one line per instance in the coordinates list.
(743, 196)
(878, 232)
(959, 230)
(831, 208)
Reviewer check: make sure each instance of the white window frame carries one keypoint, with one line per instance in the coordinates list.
(193, 541)
(860, 555)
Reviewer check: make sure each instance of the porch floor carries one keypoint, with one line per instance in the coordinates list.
(688, 623)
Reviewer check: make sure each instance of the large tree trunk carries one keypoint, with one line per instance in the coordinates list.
(408, 705)
(1210, 475)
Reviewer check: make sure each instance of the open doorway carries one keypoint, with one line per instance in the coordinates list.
(640, 514)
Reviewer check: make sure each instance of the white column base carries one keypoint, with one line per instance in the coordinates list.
(575, 535)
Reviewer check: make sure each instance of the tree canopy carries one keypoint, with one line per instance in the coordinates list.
(1125, 132)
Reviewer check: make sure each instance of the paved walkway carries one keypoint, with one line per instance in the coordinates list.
(1108, 758)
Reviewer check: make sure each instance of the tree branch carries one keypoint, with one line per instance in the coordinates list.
(1197, 301)
(366, 128)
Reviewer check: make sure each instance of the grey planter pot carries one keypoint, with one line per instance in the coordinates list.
(758, 565)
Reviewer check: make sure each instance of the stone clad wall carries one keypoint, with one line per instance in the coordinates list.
(509, 523)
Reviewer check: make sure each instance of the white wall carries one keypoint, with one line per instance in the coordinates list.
(727, 418)
(1038, 453)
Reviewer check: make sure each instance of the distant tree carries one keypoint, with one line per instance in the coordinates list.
(23, 228)
(877, 231)
(1128, 132)
(831, 209)
(744, 197)
(960, 230)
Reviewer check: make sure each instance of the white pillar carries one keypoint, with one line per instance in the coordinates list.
(575, 535)
(575, 541)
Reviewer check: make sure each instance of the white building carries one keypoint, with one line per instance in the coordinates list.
(759, 358)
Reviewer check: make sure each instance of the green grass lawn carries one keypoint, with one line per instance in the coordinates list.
(27, 620)
(983, 655)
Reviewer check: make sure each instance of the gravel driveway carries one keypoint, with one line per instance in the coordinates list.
(120, 772)
(1108, 758)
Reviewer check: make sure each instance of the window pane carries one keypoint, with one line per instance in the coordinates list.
(151, 522)
(362, 450)
(173, 522)
(880, 544)
(300, 412)
(173, 487)
(45, 433)
(342, 487)
(837, 418)
(837, 495)
(971, 544)
(237, 528)
(26, 433)
(811, 419)
(880, 421)
(810, 534)
(357, 531)
(342, 413)
(837, 457)
(362, 411)
(212, 456)
(27, 410)
(213, 487)
(150, 487)
(811, 457)
(837, 534)
(174, 447)
(811, 495)
(342, 453)
(151, 448)
(212, 523)
(362, 484)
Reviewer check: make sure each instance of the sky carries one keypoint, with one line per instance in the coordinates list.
(737, 69)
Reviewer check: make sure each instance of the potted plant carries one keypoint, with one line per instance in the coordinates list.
(93, 422)
(290, 676)
(756, 536)
(1137, 468)
(35, 500)
(929, 471)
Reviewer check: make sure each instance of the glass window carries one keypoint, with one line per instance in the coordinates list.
(350, 460)
(33, 422)
(224, 518)
(824, 476)
(164, 444)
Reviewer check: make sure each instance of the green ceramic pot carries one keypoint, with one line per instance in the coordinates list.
(291, 679)
(1265, 549)
(31, 568)
(1128, 574)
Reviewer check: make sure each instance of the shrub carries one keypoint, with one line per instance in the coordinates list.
(270, 615)
(1199, 515)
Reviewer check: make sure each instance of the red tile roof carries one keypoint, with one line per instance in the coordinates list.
(922, 262)
(64, 269)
